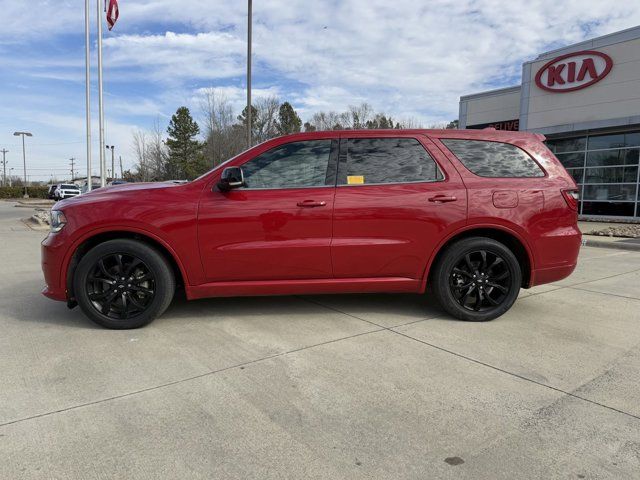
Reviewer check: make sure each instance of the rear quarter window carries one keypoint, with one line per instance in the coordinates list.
(493, 159)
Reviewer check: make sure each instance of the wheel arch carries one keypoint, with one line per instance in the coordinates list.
(508, 237)
(95, 238)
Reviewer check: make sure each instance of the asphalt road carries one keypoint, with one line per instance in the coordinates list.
(357, 386)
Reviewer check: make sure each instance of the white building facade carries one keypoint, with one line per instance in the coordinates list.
(586, 99)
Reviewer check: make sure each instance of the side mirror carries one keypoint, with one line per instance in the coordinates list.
(232, 177)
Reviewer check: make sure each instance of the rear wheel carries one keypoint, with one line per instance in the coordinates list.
(477, 279)
(123, 284)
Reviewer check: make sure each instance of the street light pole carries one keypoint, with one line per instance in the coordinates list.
(4, 166)
(249, 26)
(112, 147)
(24, 158)
(11, 177)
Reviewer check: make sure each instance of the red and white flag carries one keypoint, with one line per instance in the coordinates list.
(112, 13)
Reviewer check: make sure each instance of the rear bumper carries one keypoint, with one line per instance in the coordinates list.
(557, 255)
(52, 254)
(553, 274)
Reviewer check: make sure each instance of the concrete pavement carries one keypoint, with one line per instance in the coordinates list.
(355, 386)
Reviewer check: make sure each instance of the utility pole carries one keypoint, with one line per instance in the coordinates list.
(113, 172)
(121, 173)
(4, 166)
(249, 25)
(24, 158)
(72, 160)
(11, 177)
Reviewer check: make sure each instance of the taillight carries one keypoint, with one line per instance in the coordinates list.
(571, 196)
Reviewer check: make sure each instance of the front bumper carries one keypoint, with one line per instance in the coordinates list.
(52, 254)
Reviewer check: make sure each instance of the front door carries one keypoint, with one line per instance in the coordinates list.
(278, 226)
(394, 203)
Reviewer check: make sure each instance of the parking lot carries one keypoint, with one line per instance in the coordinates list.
(356, 386)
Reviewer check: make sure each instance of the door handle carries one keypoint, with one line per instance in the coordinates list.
(443, 199)
(311, 204)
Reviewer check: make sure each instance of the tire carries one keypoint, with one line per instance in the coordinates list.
(123, 284)
(463, 275)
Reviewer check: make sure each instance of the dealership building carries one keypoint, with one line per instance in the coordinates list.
(585, 98)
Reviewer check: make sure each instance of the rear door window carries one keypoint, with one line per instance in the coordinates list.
(385, 160)
(493, 159)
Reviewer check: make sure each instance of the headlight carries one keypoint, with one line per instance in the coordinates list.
(58, 221)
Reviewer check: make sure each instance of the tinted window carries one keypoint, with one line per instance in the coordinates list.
(619, 140)
(612, 157)
(388, 160)
(571, 159)
(494, 159)
(567, 145)
(294, 165)
(610, 192)
(612, 175)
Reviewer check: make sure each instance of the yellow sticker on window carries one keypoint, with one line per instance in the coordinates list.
(355, 180)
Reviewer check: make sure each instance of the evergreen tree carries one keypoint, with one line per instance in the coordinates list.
(288, 120)
(185, 151)
(242, 118)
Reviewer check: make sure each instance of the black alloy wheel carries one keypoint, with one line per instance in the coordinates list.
(123, 284)
(480, 281)
(476, 279)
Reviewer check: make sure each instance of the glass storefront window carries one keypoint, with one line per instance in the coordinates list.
(612, 157)
(612, 175)
(606, 167)
(619, 140)
(620, 192)
(618, 209)
(567, 145)
(570, 160)
(577, 174)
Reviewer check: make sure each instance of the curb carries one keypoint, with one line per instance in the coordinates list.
(618, 245)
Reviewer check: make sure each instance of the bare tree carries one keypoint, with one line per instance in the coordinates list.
(360, 115)
(224, 137)
(140, 152)
(156, 152)
(266, 122)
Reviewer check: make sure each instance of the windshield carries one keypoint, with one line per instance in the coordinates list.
(73, 187)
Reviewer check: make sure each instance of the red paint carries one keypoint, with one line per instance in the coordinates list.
(359, 238)
(560, 71)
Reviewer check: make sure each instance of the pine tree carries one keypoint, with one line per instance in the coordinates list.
(242, 118)
(185, 151)
(288, 120)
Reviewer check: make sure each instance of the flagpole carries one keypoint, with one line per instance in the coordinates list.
(87, 9)
(249, 40)
(103, 179)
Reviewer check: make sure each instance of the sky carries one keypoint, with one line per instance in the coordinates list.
(411, 59)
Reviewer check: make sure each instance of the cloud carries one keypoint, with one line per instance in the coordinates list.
(411, 59)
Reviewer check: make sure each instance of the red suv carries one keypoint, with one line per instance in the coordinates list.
(473, 215)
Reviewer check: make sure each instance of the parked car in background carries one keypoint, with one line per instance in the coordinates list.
(51, 192)
(471, 215)
(85, 187)
(66, 190)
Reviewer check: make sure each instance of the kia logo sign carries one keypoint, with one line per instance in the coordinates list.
(574, 71)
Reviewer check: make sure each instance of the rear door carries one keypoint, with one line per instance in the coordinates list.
(397, 197)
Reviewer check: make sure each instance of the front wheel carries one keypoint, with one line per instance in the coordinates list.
(477, 279)
(123, 284)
